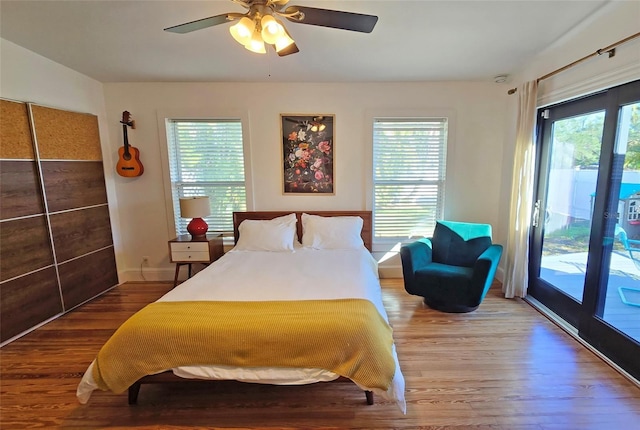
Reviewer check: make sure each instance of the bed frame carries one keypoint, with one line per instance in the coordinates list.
(238, 217)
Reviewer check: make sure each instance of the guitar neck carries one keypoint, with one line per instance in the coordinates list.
(126, 139)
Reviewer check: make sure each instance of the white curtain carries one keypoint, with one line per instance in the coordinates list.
(517, 249)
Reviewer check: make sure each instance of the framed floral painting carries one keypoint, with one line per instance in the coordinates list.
(308, 154)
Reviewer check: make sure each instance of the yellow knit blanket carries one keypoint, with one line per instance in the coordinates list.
(347, 337)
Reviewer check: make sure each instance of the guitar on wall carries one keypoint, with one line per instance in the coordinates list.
(129, 164)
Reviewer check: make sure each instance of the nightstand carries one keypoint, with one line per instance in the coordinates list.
(184, 250)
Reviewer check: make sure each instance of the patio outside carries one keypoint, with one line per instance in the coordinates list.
(564, 265)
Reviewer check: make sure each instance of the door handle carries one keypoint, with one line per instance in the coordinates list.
(536, 214)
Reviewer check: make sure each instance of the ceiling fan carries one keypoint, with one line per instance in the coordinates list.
(260, 24)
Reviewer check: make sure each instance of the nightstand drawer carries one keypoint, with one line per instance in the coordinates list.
(190, 247)
(191, 256)
(185, 249)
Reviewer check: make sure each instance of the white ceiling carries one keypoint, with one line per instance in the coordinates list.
(124, 41)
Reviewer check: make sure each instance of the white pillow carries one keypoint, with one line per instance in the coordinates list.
(277, 234)
(339, 232)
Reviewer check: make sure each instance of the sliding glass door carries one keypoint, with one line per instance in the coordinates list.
(585, 254)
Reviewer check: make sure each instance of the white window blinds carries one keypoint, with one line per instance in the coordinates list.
(206, 159)
(409, 160)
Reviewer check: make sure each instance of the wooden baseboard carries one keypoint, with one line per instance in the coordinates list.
(150, 274)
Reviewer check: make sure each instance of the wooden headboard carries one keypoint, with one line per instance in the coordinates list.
(367, 232)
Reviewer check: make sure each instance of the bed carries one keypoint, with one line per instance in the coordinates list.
(297, 300)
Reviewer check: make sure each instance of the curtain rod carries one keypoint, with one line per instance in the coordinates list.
(611, 50)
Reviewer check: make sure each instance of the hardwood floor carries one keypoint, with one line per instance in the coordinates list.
(503, 366)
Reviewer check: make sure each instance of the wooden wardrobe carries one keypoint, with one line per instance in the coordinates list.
(56, 246)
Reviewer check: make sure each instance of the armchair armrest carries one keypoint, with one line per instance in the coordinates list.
(485, 268)
(415, 255)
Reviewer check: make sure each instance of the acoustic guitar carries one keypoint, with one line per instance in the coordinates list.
(129, 164)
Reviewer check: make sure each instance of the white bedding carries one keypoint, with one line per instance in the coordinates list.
(305, 274)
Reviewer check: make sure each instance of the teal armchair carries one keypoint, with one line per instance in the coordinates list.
(454, 269)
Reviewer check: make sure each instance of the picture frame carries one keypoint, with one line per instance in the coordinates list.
(308, 157)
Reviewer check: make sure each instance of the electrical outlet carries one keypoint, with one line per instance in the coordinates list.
(145, 259)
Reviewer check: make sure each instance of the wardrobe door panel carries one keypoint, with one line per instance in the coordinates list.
(24, 246)
(72, 184)
(19, 189)
(53, 202)
(27, 301)
(15, 131)
(79, 232)
(64, 135)
(88, 276)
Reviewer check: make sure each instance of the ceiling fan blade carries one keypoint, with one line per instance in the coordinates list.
(201, 23)
(333, 18)
(291, 49)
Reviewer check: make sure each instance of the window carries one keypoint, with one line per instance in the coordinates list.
(206, 158)
(409, 158)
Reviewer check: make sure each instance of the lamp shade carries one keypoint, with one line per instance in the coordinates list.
(243, 30)
(256, 44)
(194, 207)
(285, 44)
(271, 29)
(283, 41)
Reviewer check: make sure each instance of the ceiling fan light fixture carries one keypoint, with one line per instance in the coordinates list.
(256, 44)
(243, 31)
(272, 30)
(260, 23)
(283, 41)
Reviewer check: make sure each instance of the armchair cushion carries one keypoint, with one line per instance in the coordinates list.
(460, 243)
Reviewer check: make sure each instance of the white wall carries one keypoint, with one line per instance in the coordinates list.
(29, 77)
(476, 147)
(615, 21)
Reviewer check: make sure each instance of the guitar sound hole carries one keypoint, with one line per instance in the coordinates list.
(126, 156)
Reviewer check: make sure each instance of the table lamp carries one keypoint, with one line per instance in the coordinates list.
(195, 208)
